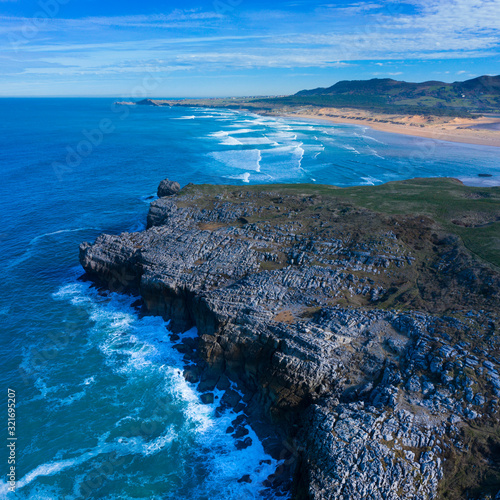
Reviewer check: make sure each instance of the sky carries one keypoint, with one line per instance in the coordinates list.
(194, 48)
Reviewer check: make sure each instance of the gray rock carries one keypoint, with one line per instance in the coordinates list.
(479, 400)
(168, 188)
(263, 298)
(207, 398)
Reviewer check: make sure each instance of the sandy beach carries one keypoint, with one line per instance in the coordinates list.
(483, 131)
(438, 128)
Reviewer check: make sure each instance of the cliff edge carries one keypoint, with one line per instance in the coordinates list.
(362, 321)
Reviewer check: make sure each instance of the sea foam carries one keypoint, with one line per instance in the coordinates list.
(244, 159)
(139, 350)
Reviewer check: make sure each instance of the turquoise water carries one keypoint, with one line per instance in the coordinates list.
(102, 408)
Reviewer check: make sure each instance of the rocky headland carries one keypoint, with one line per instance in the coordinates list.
(362, 325)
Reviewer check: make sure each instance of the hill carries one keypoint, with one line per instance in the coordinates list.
(479, 95)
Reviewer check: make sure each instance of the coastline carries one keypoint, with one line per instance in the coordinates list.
(476, 137)
(480, 131)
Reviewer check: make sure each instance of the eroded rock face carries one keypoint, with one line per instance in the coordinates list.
(357, 451)
(290, 296)
(168, 188)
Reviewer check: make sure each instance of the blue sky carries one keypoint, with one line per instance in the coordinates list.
(238, 47)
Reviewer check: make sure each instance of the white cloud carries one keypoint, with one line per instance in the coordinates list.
(395, 73)
(195, 40)
(349, 10)
(176, 19)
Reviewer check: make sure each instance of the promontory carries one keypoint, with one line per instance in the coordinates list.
(361, 325)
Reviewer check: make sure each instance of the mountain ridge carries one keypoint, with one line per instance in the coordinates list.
(477, 95)
(481, 81)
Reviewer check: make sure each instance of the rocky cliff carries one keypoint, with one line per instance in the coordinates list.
(370, 338)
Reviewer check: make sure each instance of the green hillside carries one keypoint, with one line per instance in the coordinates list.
(479, 95)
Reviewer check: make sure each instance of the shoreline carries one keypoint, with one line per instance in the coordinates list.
(467, 137)
(480, 131)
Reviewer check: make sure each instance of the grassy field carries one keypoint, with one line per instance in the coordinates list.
(377, 104)
(476, 472)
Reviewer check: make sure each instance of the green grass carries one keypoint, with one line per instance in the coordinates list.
(377, 104)
(476, 472)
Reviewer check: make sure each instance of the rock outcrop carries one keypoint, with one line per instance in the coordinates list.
(168, 188)
(147, 102)
(356, 332)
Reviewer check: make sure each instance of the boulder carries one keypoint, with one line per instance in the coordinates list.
(168, 188)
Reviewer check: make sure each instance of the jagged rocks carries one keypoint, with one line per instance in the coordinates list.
(357, 451)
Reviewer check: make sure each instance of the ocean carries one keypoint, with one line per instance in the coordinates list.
(102, 409)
